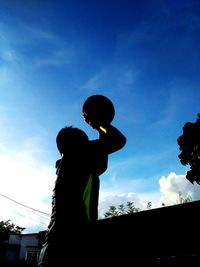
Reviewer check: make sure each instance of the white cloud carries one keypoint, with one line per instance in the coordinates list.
(25, 182)
(174, 184)
(170, 188)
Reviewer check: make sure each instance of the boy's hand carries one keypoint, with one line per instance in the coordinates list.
(92, 123)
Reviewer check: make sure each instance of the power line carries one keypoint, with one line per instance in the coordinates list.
(47, 214)
(30, 218)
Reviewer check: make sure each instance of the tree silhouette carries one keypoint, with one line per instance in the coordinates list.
(149, 205)
(129, 206)
(112, 212)
(121, 209)
(7, 228)
(189, 144)
(181, 199)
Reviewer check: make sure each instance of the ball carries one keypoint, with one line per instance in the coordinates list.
(98, 108)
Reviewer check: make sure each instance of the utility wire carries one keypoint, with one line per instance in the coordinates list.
(30, 218)
(47, 214)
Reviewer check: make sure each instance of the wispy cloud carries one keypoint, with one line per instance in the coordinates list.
(35, 34)
(25, 34)
(140, 163)
(113, 81)
(57, 57)
(46, 48)
(57, 51)
(9, 55)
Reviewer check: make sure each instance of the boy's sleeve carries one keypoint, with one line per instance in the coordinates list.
(112, 139)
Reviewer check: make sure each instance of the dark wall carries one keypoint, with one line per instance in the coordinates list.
(157, 233)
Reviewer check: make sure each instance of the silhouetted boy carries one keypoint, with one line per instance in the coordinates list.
(76, 191)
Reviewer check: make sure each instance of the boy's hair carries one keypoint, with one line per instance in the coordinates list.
(70, 136)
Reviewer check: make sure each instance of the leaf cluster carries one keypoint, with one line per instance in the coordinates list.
(189, 144)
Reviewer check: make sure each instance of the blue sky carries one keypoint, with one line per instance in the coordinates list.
(143, 55)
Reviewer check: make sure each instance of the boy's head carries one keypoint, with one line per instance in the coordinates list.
(69, 137)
